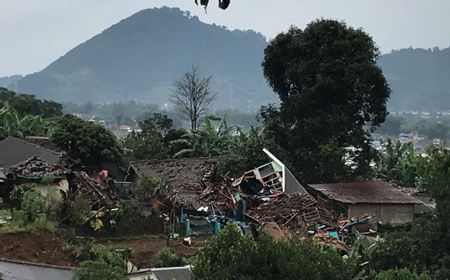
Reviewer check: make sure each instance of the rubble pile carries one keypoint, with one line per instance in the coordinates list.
(97, 193)
(37, 167)
(296, 211)
(218, 194)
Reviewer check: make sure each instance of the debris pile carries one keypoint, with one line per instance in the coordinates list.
(97, 193)
(266, 179)
(296, 211)
(38, 168)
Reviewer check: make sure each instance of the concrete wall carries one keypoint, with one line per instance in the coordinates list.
(385, 213)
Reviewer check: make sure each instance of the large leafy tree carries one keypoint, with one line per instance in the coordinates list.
(88, 142)
(150, 142)
(332, 94)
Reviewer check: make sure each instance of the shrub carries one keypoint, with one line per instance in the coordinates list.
(400, 274)
(166, 258)
(32, 205)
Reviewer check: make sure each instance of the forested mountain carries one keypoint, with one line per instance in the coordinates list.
(419, 79)
(141, 56)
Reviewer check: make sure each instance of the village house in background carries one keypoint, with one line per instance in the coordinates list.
(378, 199)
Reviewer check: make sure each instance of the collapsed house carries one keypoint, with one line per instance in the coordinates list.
(188, 173)
(382, 201)
(269, 178)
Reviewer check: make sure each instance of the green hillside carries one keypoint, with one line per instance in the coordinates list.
(141, 56)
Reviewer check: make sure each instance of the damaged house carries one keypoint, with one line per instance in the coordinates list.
(268, 178)
(379, 199)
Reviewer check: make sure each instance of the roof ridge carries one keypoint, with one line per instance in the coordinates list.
(174, 159)
(35, 145)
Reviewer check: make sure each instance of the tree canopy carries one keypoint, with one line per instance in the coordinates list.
(88, 142)
(332, 94)
(27, 104)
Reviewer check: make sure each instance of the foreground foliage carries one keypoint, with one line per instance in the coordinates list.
(105, 264)
(234, 256)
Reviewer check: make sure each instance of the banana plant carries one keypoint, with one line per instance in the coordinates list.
(210, 141)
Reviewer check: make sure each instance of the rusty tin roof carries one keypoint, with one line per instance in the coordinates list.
(373, 192)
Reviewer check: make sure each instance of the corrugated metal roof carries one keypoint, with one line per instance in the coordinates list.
(378, 192)
(172, 273)
(14, 150)
(10, 270)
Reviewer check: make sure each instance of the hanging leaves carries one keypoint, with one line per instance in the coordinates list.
(223, 4)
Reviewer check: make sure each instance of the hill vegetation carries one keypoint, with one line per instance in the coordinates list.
(141, 56)
(418, 79)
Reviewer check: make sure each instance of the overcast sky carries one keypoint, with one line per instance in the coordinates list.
(33, 33)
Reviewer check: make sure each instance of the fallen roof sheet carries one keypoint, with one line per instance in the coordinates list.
(375, 192)
(14, 150)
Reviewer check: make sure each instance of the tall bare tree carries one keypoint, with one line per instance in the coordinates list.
(191, 95)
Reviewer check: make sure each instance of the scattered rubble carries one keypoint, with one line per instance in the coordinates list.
(296, 211)
(98, 193)
(36, 167)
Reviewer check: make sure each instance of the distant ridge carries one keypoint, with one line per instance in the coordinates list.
(419, 79)
(141, 56)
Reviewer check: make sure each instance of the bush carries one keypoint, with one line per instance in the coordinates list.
(166, 258)
(105, 264)
(400, 274)
(231, 253)
(78, 209)
(32, 205)
(99, 270)
(16, 196)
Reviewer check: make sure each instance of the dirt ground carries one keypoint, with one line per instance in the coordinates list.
(144, 248)
(38, 246)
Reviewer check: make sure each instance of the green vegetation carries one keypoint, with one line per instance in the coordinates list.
(26, 104)
(418, 78)
(401, 274)
(90, 143)
(135, 67)
(105, 264)
(332, 93)
(166, 258)
(232, 253)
